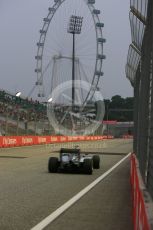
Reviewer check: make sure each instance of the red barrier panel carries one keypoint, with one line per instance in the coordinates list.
(1, 140)
(140, 218)
(14, 141)
(26, 140)
(9, 141)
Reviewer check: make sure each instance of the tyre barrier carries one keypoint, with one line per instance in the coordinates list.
(17, 141)
(142, 202)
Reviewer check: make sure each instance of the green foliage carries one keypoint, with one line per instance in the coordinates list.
(118, 108)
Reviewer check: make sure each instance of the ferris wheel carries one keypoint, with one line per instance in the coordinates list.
(58, 61)
(54, 50)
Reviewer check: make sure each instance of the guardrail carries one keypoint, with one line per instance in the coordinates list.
(142, 203)
(16, 141)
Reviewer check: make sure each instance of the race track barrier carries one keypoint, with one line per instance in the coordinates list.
(127, 136)
(17, 141)
(142, 202)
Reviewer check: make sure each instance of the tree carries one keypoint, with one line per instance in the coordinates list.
(116, 108)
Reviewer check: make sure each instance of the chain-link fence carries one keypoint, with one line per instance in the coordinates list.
(9, 127)
(139, 71)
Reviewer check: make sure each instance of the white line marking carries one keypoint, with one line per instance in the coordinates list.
(44, 223)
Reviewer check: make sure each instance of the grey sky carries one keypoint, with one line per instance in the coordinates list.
(20, 22)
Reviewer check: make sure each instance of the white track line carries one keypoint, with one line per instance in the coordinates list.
(44, 223)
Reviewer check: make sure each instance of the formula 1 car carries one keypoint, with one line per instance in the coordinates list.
(72, 160)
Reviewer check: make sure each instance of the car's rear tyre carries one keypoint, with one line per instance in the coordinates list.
(96, 162)
(53, 164)
(88, 166)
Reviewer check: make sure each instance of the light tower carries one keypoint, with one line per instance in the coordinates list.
(74, 27)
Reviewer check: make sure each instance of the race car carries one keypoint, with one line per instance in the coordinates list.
(72, 160)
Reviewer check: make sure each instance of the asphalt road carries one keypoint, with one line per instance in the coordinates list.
(28, 193)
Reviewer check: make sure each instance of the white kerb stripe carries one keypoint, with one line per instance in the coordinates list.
(44, 223)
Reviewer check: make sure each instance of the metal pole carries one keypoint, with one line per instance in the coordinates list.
(73, 72)
(6, 122)
(17, 128)
(35, 124)
(107, 120)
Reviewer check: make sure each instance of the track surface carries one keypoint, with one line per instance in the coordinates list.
(28, 193)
